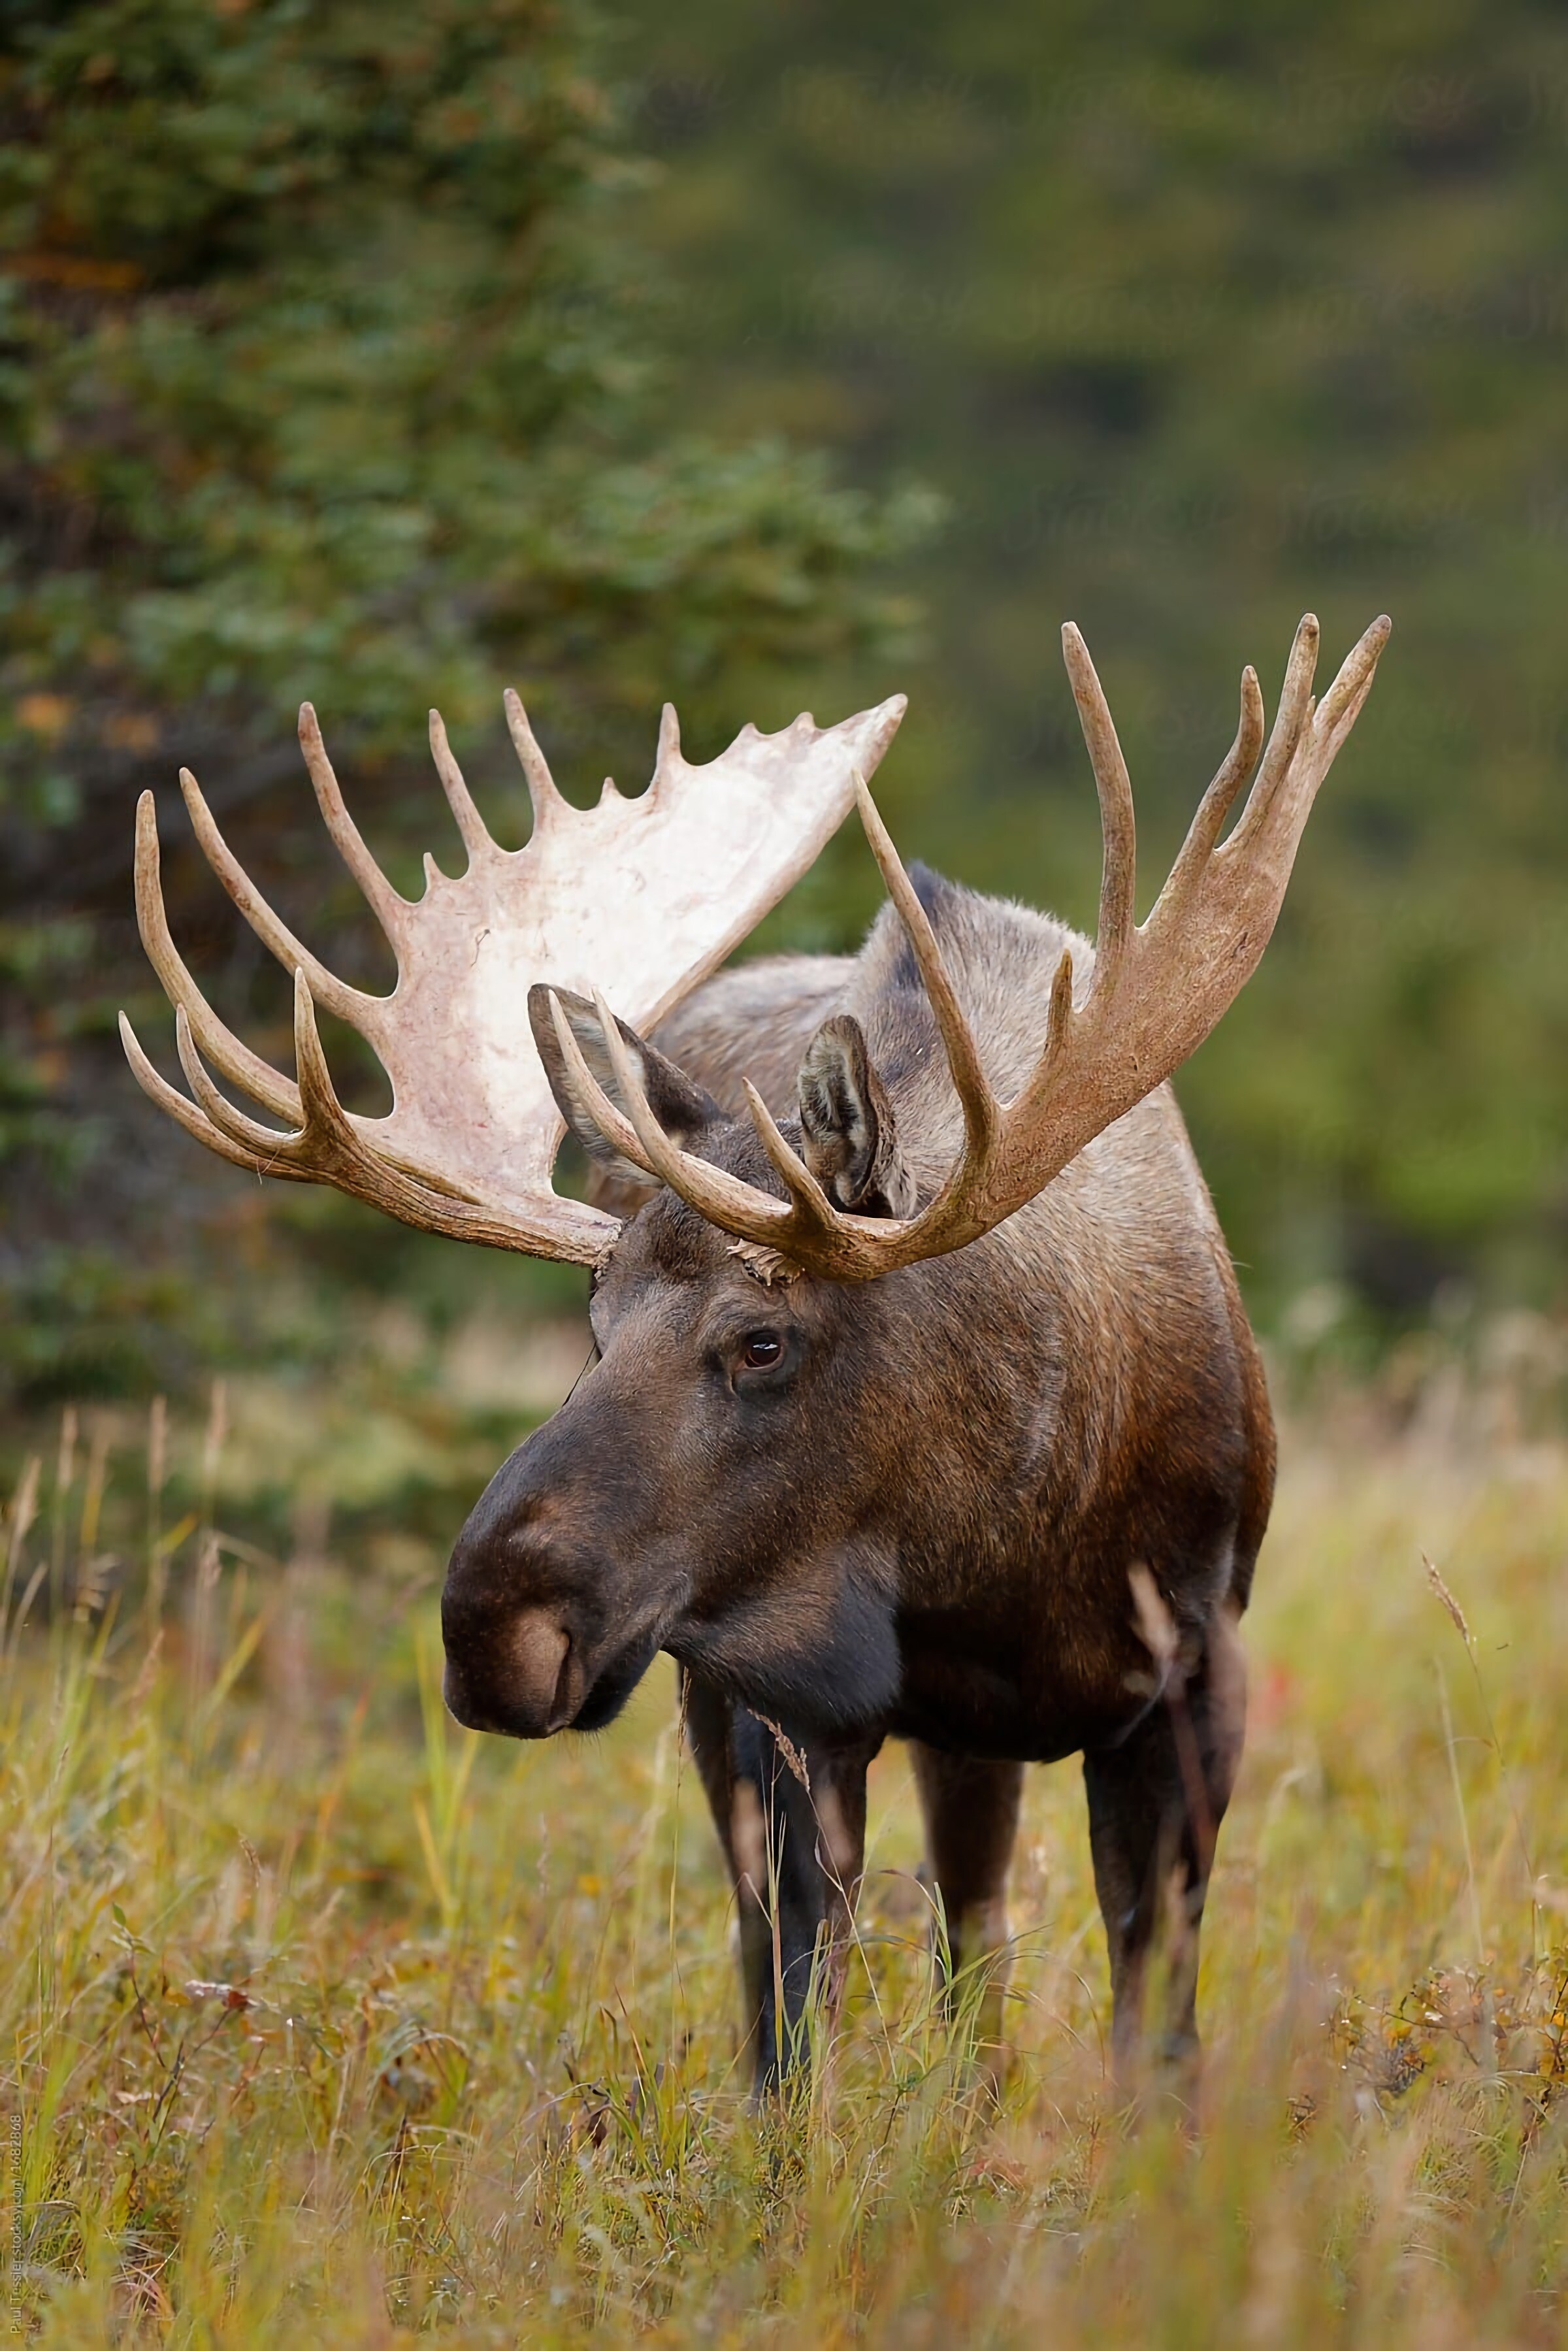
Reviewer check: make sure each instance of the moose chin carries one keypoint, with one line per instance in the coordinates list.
(924, 1402)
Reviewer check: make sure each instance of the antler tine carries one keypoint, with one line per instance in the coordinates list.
(250, 1132)
(959, 1207)
(1218, 800)
(350, 1004)
(662, 1157)
(325, 1117)
(1058, 1013)
(182, 1112)
(737, 1207)
(1118, 831)
(802, 1186)
(1290, 721)
(1338, 711)
(235, 1059)
(549, 806)
(669, 749)
(969, 1080)
(382, 900)
(613, 1124)
(476, 833)
(324, 1132)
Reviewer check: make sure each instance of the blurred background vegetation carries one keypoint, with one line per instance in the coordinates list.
(385, 355)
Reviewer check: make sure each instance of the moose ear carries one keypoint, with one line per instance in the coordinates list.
(680, 1105)
(847, 1123)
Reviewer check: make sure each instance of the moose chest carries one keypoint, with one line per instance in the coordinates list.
(1012, 1684)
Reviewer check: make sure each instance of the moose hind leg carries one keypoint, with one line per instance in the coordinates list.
(1156, 1803)
(792, 1819)
(970, 1805)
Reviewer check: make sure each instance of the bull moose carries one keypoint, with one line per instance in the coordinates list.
(924, 1405)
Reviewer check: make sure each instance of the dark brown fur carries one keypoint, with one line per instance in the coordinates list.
(923, 1520)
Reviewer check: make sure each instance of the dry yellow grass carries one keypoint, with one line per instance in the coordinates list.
(325, 2021)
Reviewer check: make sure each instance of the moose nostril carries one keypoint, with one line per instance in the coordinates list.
(541, 1661)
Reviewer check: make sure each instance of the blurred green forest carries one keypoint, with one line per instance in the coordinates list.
(759, 359)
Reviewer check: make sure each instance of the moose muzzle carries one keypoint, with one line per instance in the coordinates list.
(519, 1672)
(541, 1633)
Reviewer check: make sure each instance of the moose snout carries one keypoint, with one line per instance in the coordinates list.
(520, 1673)
(514, 1637)
(545, 1626)
(524, 1621)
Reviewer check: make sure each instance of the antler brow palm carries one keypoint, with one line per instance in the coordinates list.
(647, 895)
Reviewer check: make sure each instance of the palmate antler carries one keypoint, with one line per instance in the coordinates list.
(1156, 992)
(647, 895)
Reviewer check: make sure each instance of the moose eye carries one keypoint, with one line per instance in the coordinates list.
(760, 1348)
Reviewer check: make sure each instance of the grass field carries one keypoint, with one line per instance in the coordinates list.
(325, 2023)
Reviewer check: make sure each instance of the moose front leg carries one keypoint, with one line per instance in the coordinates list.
(970, 1806)
(1156, 1803)
(792, 1823)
